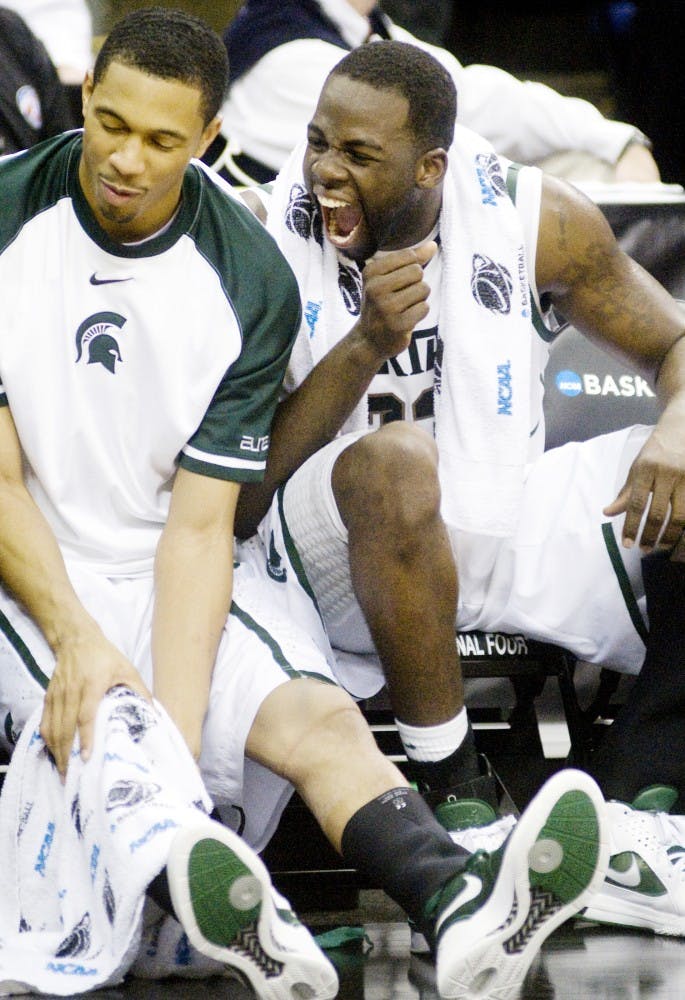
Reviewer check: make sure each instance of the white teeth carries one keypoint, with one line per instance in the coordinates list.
(332, 202)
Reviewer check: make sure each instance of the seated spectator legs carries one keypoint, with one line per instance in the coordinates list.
(649, 724)
(647, 823)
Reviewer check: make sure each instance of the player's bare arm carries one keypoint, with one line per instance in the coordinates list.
(87, 664)
(393, 302)
(616, 303)
(193, 587)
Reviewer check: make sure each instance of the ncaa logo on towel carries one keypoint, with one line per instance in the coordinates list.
(504, 390)
(491, 284)
(492, 183)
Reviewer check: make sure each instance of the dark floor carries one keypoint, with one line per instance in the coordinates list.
(579, 962)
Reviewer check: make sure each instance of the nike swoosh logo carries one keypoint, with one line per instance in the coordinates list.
(94, 280)
(630, 878)
(470, 891)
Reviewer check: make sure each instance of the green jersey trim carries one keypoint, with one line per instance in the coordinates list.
(234, 469)
(536, 317)
(48, 171)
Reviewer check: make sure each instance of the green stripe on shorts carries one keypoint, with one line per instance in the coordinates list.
(22, 651)
(294, 555)
(623, 581)
(276, 651)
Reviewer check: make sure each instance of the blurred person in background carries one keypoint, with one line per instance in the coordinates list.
(280, 55)
(33, 101)
(65, 28)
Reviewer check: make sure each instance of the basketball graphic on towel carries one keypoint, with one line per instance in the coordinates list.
(491, 284)
(350, 285)
(302, 215)
(489, 163)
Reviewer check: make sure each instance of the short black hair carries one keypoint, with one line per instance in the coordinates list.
(173, 45)
(417, 76)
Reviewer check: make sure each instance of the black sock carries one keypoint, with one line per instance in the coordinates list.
(397, 843)
(460, 767)
(158, 891)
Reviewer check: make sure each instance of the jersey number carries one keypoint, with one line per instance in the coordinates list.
(386, 407)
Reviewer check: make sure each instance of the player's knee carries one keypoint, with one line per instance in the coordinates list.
(334, 730)
(390, 475)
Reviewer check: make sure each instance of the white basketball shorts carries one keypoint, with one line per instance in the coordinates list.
(268, 640)
(563, 577)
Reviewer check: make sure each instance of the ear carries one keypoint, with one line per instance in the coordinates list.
(209, 134)
(86, 91)
(431, 168)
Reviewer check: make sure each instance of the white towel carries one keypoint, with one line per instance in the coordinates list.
(482, 382)
(482, 390)
(330, 286)
(77, 858)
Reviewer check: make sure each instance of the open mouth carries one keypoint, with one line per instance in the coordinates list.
(341, 220)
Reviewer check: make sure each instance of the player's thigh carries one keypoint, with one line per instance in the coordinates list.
(564, 576)
(26, 660)
(266, 644)
(304, 526)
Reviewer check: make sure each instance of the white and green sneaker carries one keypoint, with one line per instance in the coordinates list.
(223, 897)
(474, 825)
(491, 920)
(645, 882)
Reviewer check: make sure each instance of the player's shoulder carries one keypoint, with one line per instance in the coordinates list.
(219, 196)
(34, 180)
(237, 244)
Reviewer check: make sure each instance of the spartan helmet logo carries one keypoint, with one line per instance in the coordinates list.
(97, 335)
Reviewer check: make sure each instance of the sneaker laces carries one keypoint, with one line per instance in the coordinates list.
(651, 831)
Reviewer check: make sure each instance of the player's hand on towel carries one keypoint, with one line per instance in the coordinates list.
(394, 297)
(87, 667)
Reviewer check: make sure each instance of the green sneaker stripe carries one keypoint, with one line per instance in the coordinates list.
(649, 885)
(481, 867)
(461, 814)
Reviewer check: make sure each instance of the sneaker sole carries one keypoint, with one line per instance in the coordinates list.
(554, 861)
(603, 909)
(208, 866)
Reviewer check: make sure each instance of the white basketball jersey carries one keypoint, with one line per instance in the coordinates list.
(121, 362)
